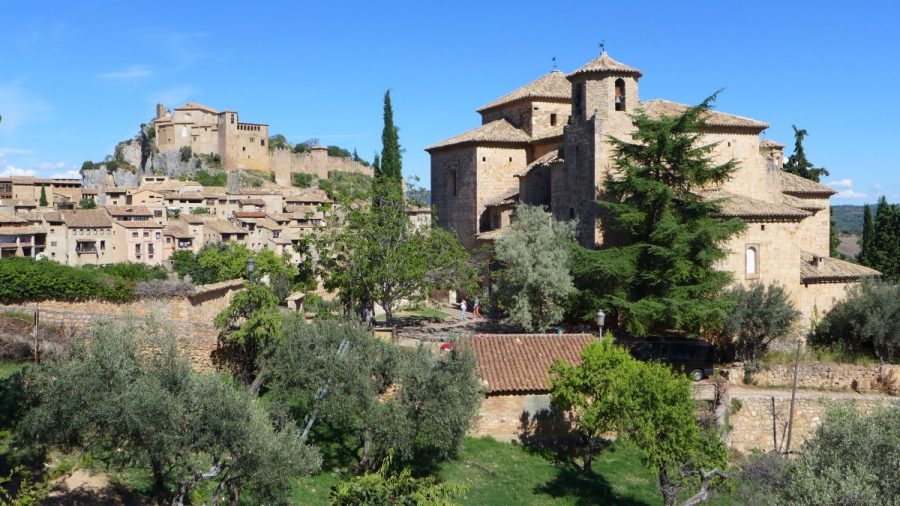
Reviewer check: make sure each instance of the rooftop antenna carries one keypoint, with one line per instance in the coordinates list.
(554, 63)
(602, 46)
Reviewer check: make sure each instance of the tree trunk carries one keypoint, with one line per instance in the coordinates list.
(669, 490)
(159, 480)
(234, 495)
(257, 384)
(588, 459)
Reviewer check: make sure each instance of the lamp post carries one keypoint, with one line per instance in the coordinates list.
(601, 319)
(251, 268)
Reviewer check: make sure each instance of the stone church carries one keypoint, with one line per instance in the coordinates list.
(547, 143)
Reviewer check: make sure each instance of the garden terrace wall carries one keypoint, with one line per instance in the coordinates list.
(818, 375)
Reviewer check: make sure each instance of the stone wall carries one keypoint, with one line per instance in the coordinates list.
(503, 417)
(284, 162)
(189, 317)
(818, 375)
(760, 421)
(453, 191)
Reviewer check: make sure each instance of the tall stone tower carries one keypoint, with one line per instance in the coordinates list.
(604, 94)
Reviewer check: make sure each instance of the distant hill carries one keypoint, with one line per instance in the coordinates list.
(848, 219)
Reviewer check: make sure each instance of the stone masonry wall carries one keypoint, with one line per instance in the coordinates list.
(819, 375)
(761, 421)
(284, 162)
(502, 416)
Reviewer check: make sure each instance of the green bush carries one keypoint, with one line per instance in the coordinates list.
(186, 153)
(867, 321)
(302, 179)
(346, 186)
(207, 179)
(27, 280)
(199, 210)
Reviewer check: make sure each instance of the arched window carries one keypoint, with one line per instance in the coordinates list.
(752, 260)
(184, 131)
(232, 119)
(620, 94)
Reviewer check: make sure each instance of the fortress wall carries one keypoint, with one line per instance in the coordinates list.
(284, 162)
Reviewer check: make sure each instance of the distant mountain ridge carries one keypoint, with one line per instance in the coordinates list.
(848, 219)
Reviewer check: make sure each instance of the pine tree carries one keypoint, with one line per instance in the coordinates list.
(43, 201)
(663, 278)
(868, 236)
(798, 164)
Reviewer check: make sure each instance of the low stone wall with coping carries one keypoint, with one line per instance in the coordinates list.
(818, 375)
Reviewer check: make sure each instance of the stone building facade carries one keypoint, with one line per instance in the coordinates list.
(547, 143)
(208, 131)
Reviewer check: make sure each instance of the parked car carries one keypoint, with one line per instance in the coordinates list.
(694, 357)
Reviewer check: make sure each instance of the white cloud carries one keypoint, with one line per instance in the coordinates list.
(877, 187)
(850, 194)
(841, 184)
(132, 72)
(10, 170)
(46, 166)
(69, 174)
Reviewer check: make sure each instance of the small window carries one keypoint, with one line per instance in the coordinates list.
(483, 158)
(146, 233)
(453, 187)
(137, 249)
(157, 214)
(262, 142)
(571, 213)
(243, 148)
(232, 119)
(510, 159)
(553, 119)
(102, 245)
(762, 227)
(134, 234)
(620, 94)
(52, 243)
(752, 260)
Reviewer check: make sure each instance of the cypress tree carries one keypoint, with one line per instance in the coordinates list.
(43, 201)
(391, 162)
(798, 164)
(885, 254)
(868, 236)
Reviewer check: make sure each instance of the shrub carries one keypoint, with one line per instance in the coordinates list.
(186, 153)
(207, 179)
(302, 179)
(199, 210)
(87, 203)
(868, 320)
(761, 315)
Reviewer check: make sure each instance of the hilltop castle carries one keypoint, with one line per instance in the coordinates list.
(546, 143)
(240, 145)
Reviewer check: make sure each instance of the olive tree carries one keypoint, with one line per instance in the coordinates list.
(135, 402)
(761, 314)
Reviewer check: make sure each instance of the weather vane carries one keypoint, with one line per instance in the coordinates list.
(554, 63)
(602, 45)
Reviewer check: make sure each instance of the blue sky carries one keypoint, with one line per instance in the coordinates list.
(77, 77)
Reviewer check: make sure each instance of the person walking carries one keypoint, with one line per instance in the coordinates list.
(462, 310)
(476, 308)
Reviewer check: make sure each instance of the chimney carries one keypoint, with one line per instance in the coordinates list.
(818, 262)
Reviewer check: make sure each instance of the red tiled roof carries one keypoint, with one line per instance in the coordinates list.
(520, 362)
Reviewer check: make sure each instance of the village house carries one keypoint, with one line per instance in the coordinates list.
(547, 143)
(20, 237)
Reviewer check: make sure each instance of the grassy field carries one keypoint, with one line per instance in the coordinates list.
(505, 474)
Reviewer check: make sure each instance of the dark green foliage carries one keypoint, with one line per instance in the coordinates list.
(867, 243)
(43, 200)
(305, 146)
(866, 321)
(881, 240)
(87, 203)
(302, 179)
(247, 328)
(384, 487)
(346, 187)
(28, 280)
(338, 152)
(833, 240)
(391, 162)
(797, 162)
(88, 165)
(383, 399)
(359, 159)
(761, 315)
(131, 272)
(849, 219)
(223, 262)
(663, 277)
(199, 210)
(851, 459)
(185, 153)
(207, 179)
(134, 401)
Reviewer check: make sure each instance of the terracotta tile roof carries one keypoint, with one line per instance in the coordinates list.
(794, 184)
(831, 270)
(118, 211)
(553, 85)
(496, 131)
(268, 224)
(307, 197)
(549, 136)
(12, 219)
(223, 227)
(139, 224)
(520, 362)
(249, 214)
(548, 159)
(52, 217)
(769, 144)
(508, 198)
(799, 203)
(86, 218)
(26, 230)
(605, 64)
(252, 202)
(658, 108)
(177, 231)
(740, 206)
(195, 105)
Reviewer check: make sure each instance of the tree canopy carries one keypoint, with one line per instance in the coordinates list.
(881, 239)
(533, 282)
(663, 276)
(798, 164)
(135, 401)
(761, 315)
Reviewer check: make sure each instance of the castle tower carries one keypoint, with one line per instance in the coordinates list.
(604, 95)
(161, 111)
